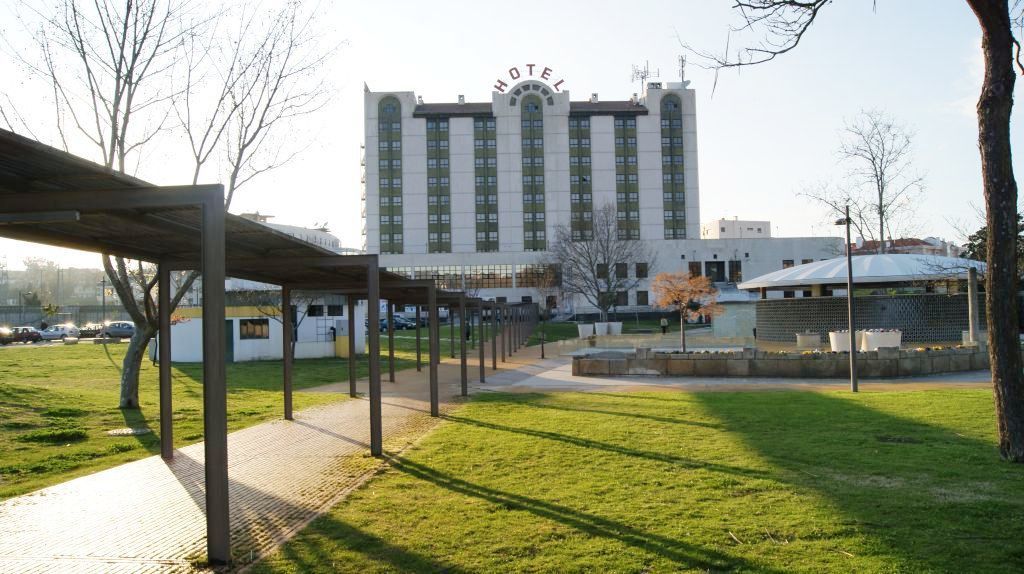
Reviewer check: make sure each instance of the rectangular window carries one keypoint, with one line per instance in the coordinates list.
(621, 298)
(254, 328)
(787, 263)
(641, 298)
(602, 271)
(621, 270)
(315, 311)
(334, 311)
(641, 272)
(695, 269)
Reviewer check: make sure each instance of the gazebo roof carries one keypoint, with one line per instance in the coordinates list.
(868, 269)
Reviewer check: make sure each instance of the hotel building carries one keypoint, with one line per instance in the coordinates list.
(470, 193)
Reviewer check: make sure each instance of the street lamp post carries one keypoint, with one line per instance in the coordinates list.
(849, 302)
(103, 298)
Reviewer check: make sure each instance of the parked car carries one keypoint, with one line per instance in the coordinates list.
(62, 331)
(119, 330)
(90, 330)
(26, 335)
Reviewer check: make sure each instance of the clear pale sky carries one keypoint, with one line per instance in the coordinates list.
(766, 134)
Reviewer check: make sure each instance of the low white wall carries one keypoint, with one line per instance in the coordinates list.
(313, 339)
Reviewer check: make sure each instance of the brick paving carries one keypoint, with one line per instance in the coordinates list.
(148, 515)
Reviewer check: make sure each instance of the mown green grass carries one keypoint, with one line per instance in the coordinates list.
(667, 482)
(58, 402)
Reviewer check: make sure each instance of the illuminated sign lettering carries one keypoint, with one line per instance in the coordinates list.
(515, 73)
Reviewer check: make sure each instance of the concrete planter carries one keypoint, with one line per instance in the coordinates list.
(875, 339)
(585, 329)
(808, 340)
(615, 328)
(601, 328)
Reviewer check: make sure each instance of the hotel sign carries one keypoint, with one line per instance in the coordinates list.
(528, 71)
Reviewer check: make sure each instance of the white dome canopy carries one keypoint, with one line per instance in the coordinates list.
(884, 268)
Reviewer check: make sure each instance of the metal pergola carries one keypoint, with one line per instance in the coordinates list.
(49, 196)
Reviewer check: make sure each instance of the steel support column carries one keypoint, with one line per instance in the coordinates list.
(419, 352)
(373, 332)
(503, 310)
(451, 332)
(483, 376)
(434, 332)
(287, 333)
(494, 336)
(164, 350)
(351, 345)
(215, 419)
(391, 342)
(463, 371)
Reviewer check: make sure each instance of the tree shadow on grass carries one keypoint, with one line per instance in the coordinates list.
(685, 462)
(655, 418)
(684, 554)
(930, 495)
(136, 419)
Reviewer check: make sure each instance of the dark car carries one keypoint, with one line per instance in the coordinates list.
(19, 335)
(119, 330)
(90, 330)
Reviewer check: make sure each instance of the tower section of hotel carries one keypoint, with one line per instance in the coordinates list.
(471, 193)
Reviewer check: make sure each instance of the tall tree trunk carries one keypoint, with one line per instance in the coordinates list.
(132, 364)
(994, 107)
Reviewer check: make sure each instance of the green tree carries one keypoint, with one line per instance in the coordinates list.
(977, 244)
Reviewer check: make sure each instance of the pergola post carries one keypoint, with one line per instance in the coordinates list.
(451, 332)
(494, 336)
(215, 423)
(483, 376)
(419, 352)
(463, 371)
(391, 342)
(373, 318)
(164, 350)
(287, 333)
(503, 310)
(351, 345)
(514, 327)
(434, 333)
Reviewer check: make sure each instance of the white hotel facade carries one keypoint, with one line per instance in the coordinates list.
(471, 193)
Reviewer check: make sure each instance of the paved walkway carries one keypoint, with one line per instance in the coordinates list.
(148, 515)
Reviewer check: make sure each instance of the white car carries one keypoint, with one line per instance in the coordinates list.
(54, 332)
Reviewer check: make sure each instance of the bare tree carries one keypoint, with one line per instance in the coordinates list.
(589, 267)
(120, 74)
(781, 24)
(880, 188)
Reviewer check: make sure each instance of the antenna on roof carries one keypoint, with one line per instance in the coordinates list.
(641, 74)
(682, 68)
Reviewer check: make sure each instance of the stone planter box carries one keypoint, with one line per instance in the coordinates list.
(615, 328)
(585, 329)
(886, 362)
(875, 339)
(601, 328)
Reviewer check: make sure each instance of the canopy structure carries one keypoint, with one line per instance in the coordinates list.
(881, 269)
(49, 196)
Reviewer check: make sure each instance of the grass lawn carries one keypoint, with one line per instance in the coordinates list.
(667, 482)
(56, 404)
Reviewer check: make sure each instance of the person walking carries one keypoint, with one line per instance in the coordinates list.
(664, 325)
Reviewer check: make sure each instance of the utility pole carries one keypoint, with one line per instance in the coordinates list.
(849, 302)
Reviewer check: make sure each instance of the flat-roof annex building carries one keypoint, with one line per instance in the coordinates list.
(470, 193)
